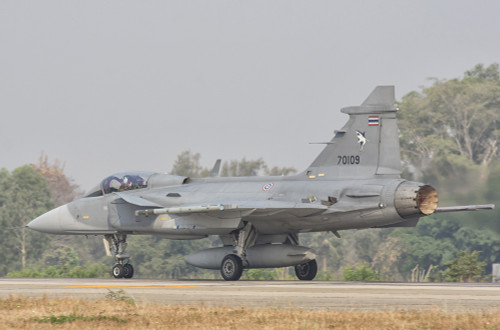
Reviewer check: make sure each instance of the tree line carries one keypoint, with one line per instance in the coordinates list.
(449, 139)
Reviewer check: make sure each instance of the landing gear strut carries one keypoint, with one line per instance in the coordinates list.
(308, 270)
(232, 265)
(117, 244)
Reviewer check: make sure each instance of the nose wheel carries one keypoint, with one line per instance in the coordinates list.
(122, 271)
(129, 271)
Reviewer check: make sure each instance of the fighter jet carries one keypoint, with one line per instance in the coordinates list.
(353, 183)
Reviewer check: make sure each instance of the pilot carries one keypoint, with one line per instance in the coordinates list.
(114, 184)
(126, 183)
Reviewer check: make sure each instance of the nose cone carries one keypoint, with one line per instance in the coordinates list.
(50, 222)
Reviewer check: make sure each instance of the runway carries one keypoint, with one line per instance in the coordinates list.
(315, 295)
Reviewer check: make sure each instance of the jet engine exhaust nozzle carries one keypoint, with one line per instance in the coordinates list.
(415, 199)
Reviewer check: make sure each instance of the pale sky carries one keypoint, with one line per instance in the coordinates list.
(108, 86)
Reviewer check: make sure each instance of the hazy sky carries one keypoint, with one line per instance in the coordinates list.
(107, 86)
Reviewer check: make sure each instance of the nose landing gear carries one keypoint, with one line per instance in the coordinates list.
(117, 244)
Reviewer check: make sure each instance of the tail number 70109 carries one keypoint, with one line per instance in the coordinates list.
(348, 160)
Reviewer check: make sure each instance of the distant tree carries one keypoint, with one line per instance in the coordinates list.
(435, 241)
(279, 171)
(62, 261)
(489, 193)
(389, 258)
(452, 127)
(466, 267)
(66, 256)
(261, 274)
(354, 248)
(243, 167)
(450, 138)
(361, 273)
(491, 73)
(324, 248)
(188, 164)
(154, 256)
(62, 188)
(88, 270)
(25, 195)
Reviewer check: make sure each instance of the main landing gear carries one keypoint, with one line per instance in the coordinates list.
(308, 270)
(232, 265)
(117, 244)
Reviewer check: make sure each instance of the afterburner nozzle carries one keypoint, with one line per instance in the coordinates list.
(415, 199)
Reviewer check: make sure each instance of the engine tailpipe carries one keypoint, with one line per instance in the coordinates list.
(413, 199)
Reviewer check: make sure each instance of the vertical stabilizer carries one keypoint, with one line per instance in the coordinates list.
(367, 145)
(216, 169)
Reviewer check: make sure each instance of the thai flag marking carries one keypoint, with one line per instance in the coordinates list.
(373, 120)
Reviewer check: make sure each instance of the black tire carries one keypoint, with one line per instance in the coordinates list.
(128, 271)
(306, 271)
(117, 271)
(231, 267)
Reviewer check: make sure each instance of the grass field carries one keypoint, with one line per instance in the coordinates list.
(117, 311)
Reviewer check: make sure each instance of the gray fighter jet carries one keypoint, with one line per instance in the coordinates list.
(354, 183)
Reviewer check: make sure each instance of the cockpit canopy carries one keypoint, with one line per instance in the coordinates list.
(126, 181)
(121, 182)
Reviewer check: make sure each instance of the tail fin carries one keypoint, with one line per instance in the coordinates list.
(367, 145)
(216, 169)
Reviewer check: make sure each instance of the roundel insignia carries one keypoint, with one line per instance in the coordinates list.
(268, 186)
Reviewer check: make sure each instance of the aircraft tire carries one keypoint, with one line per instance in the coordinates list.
(306, 271)
(128, 271)
(231, 267)
(117, 271)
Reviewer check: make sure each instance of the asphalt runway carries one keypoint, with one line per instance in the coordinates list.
(315, 295)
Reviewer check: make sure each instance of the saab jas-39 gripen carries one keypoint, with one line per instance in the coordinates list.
(353, 183)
